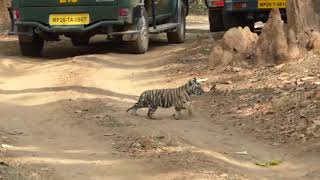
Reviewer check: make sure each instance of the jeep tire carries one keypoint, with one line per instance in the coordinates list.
(178, 36)
(31, 45)
(216, 20)
(141, 44)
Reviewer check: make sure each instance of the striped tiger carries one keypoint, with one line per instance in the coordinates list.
(166, 98)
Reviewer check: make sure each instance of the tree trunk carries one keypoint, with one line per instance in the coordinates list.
(303, 17)
(4, 15)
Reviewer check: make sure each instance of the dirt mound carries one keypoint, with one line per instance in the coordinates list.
(240, 46)
(272, 46)
(237, 44)
(314, 43)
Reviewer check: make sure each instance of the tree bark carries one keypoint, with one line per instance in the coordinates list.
(303, 16)
(4, 15)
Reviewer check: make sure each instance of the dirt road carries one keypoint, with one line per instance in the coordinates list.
(64, 115)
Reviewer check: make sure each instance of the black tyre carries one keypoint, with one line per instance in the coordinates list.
(141, 44)
(251, 25)
(179, 35)
(31, 46)
(77, 41)
(233, 20)
(216, 20)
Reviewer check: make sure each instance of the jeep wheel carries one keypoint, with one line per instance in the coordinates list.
(31, 45)
(141, 44)
(215, 20)
(251, 25)
(179, 35)
(77, 41)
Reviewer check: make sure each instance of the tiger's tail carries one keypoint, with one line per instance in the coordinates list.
(137, 104)
(131, 108)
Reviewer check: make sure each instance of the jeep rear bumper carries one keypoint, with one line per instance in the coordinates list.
(71, 29)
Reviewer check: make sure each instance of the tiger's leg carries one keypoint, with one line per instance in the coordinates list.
(178, 113)
(189, 108)
(151, 111)
(135, 108)
(134, 111)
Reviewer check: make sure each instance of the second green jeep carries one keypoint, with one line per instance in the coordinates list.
(38, 21)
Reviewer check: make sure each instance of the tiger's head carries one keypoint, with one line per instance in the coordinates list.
(194, 87)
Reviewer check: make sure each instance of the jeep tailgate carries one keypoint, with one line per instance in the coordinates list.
(241, 5)
(59, 3)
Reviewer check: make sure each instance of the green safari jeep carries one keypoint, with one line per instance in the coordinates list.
(128, 20)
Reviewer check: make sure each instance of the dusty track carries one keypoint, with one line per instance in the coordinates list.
(70, 106)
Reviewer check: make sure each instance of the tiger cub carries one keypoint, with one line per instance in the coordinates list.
(166, 98)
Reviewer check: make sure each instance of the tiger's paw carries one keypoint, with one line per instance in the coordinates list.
(176, 117)
(152, 117)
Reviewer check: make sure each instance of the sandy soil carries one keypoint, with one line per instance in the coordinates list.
(64, 117)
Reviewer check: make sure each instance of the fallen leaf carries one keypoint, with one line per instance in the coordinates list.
(268, 163)
(3, 163)
(226, 82)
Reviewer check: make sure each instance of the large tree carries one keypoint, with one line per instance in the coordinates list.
(303, 16)
(4, 16)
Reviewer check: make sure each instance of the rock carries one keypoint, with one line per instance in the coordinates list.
(236, 69)
(136, 145)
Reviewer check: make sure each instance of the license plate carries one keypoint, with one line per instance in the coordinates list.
(69, 19)
(268, 4)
